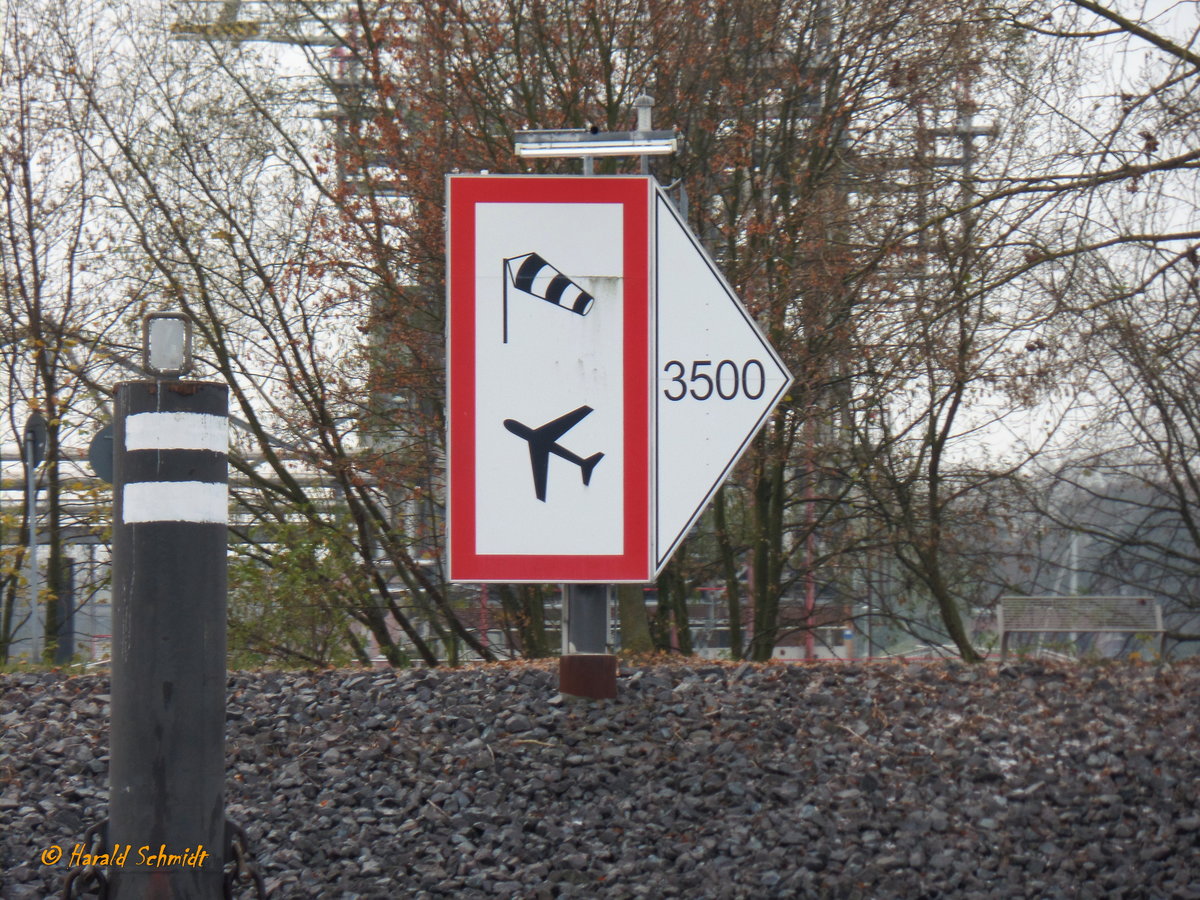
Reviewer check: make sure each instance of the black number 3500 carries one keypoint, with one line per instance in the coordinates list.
(726, 380)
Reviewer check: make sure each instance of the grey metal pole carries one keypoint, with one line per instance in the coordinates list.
(170, 521)
(587, 625)
(586, 669)
(592, 673)
(35, 588)
(644, 105)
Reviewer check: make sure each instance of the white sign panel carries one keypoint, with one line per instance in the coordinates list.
(544, 358)
(549, 382)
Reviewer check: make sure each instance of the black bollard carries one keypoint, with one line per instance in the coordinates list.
(167, 770)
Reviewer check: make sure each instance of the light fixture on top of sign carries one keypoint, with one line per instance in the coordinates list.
(583, 142)
(167, 344)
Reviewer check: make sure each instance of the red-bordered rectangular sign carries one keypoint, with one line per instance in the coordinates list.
(549, 369)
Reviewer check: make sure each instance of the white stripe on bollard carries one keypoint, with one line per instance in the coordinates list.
(176, 431)
(176, 501)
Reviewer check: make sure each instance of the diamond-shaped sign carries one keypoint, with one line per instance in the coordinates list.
(718, 380)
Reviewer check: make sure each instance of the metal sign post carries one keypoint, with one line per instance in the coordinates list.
(587, 667)
(603, 380)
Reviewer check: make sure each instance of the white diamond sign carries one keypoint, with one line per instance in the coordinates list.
(718, 380)
(603, 379)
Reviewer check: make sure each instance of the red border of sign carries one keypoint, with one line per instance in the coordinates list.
(464, 193)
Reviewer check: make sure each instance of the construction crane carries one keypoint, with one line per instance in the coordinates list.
(301, 22)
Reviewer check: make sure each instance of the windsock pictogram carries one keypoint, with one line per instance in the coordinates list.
(533, 275)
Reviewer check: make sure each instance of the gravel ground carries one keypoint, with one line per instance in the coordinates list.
(700, 780)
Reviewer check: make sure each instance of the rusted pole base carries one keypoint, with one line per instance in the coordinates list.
(590, 676)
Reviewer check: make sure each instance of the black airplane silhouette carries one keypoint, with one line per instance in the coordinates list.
(544, 440)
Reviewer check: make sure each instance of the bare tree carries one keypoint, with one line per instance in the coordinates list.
(783, 129)
(1126, 480)
(923, 274)
(50, 239)
(222, 189)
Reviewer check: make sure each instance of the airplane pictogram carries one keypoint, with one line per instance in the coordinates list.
(543, 442)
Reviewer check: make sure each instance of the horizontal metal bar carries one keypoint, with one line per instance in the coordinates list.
(582, 142)
(1083, 629)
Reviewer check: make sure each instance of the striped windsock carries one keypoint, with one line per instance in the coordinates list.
(533, 275)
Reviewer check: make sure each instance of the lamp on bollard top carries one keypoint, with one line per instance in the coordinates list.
(167, 344)
(167, 836)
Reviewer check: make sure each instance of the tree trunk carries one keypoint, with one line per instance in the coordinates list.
(768, 557)
(634, 623)
(733, 596)
(948, 608)
(54, 562)
(524, 607)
